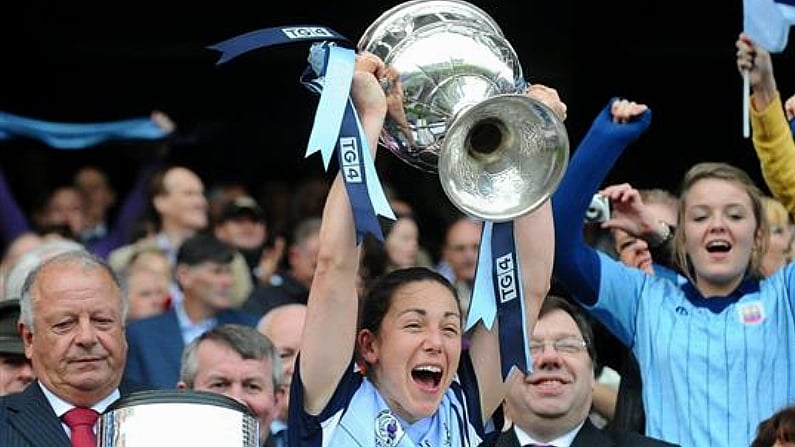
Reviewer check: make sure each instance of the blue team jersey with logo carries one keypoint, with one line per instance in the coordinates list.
(712, 368)
(357, 416)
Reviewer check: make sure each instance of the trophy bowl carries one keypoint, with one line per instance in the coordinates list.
(459, 96)
(168, 418)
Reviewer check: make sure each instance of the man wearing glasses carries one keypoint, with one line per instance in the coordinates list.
(549, 408)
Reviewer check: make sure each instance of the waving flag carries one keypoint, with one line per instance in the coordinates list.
(768, 22)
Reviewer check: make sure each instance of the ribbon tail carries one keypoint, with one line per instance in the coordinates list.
(482, 306)
(234, 47)
(375, 190)
(351, 149)
(508, 297)
(333, 100)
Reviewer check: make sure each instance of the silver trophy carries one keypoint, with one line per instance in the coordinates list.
(458, 108)
(168, 418)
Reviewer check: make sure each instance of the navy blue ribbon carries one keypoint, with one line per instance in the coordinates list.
(266, 37)
(497, 294)
(508, 296)
(353, 155)
(337, 125)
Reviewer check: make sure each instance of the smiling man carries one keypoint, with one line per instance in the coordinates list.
(550, 406)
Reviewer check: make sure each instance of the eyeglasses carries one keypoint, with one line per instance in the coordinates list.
(561, 346)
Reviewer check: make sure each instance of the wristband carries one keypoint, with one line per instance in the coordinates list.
(667, 234)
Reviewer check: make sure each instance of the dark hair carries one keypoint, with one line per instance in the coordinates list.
(779, 427)
(373, 262)
(379, 299)
(204, 247)
(554, 302)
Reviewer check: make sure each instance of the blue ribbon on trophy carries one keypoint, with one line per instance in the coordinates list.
(266, 37)
(497, 294)
(78, 135)
(336, 123)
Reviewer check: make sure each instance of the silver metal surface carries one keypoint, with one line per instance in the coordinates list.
(175, 418)
(524, 167)
(446, 57)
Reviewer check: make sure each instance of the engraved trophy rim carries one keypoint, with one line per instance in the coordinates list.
(403, 9)
(148, 397)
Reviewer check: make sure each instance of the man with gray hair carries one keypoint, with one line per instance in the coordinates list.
(72, 315)
(238, 362)
(19, 270)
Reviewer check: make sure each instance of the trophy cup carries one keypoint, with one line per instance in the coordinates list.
(168, 418)
(463, 111)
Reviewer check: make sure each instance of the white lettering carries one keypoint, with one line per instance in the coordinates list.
(352, 169)
(306, 32)
(353, 174)
(506, 285)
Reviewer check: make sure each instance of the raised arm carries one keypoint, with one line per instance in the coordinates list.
(330, 330)
(576, 263)
(771, 134)
(535, 245)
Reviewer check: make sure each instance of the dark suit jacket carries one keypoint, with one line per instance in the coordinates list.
(154, 348)
(28, 420)
(588, 436)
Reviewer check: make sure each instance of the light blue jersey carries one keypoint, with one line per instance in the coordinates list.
(712, 368)
(357, 416)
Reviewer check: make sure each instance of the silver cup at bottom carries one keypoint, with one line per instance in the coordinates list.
(168, 418)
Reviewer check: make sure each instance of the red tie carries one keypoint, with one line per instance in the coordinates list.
(81, 422)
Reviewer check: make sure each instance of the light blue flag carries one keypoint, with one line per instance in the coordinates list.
(78, 135)
(767, 22)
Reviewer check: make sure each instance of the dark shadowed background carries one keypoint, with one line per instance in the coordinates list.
(249, 120)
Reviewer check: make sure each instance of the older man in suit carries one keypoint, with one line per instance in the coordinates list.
(550, 407)
(204, 274)
(72, 323)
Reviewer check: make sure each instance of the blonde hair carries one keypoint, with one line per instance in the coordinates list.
(775, 212)
(728, 173)
(661, 197)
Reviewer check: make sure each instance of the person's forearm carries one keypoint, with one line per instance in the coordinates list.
(535, 240)
(333, 299)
